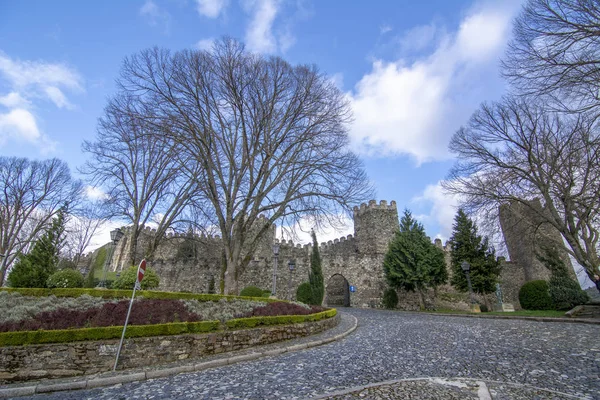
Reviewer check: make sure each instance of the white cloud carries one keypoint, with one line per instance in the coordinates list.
(385, 28)
(155, 15)
(95, 193)
(14, 100)
(39, 74)
(211, 8)
(58, 98)
(20, 124)
(443, 209)
(205, 44)
(413, 105)
(259, 33)
(31, 82)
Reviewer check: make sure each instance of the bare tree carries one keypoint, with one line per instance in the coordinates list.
(82, 225)
(267, 138)
(515, 151)
(134, 163)
(31, 194)
(556, 52)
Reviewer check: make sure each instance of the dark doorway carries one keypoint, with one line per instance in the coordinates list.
(338, 291)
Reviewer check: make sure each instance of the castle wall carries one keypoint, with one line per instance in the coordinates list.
(187, 263)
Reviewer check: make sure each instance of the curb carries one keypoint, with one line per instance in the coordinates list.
(100, 381)
(519, 317)
(480, 382)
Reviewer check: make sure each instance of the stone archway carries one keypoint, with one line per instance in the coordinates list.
(338, 291)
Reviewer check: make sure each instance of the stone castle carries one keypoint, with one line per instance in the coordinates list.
(352, 265)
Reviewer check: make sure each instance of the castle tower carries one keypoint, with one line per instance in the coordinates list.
(374, 226)
(525, 233)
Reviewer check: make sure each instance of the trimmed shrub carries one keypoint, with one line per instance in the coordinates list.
(483, 308)
(304, 293)
(534, 295)
(110, 332)
(390, 298)
(251, 291)
(266, 293)
(252, 322)
(129, 276)
(65, 278)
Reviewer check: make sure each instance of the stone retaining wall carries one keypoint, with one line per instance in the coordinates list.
(21, 363)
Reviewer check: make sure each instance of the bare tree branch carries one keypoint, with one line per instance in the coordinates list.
(31, 193)
(265, 137)
(514, 150)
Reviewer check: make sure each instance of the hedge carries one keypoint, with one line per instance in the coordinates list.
(109, 332)
(115, 293)
(174, 328)
(241, 323)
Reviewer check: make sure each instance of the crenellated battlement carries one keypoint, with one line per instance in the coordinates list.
(372, 205)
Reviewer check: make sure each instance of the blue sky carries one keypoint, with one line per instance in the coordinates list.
(413, 71)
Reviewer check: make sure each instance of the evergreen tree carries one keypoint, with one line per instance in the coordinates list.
(412, 262)
(564, 291)
(34, 268)
(468, 245)
(315, 276)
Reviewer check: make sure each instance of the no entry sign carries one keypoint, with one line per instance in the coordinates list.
(141, 271)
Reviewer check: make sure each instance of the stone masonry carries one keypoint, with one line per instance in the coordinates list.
(190, 262)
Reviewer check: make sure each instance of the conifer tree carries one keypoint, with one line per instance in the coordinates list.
(34, 268)
(412, 262)
(468, 245)
(564, 291)
(315, 276)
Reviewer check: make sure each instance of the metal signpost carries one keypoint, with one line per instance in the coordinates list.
(140, 275)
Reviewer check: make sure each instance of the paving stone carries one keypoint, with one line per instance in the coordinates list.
(559, 357)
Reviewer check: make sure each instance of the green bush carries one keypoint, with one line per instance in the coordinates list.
(129, 276)
(564, 291)
(252, 322)
(483, 308)
(65, 278)
(534, 295)
(390, 298)
(304, 293)
(266, 293)
(251, 291)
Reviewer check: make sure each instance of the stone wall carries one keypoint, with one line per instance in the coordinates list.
(21, 363)
(188, 263)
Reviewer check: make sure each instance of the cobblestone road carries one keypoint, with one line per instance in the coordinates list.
(513, 356)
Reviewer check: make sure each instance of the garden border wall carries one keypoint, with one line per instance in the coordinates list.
(59, 360)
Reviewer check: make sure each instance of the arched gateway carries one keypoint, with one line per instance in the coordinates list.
(338, 291)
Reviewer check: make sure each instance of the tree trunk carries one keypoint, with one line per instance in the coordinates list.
(230, 278)
(421, 299)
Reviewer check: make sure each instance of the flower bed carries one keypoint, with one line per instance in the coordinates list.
(92, 315)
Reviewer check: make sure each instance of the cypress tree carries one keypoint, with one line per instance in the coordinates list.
(468, 245)
(315, 276)
(412, 262)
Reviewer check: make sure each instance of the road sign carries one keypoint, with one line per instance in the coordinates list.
(140, 275)
(141, 271)
(352, 289)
